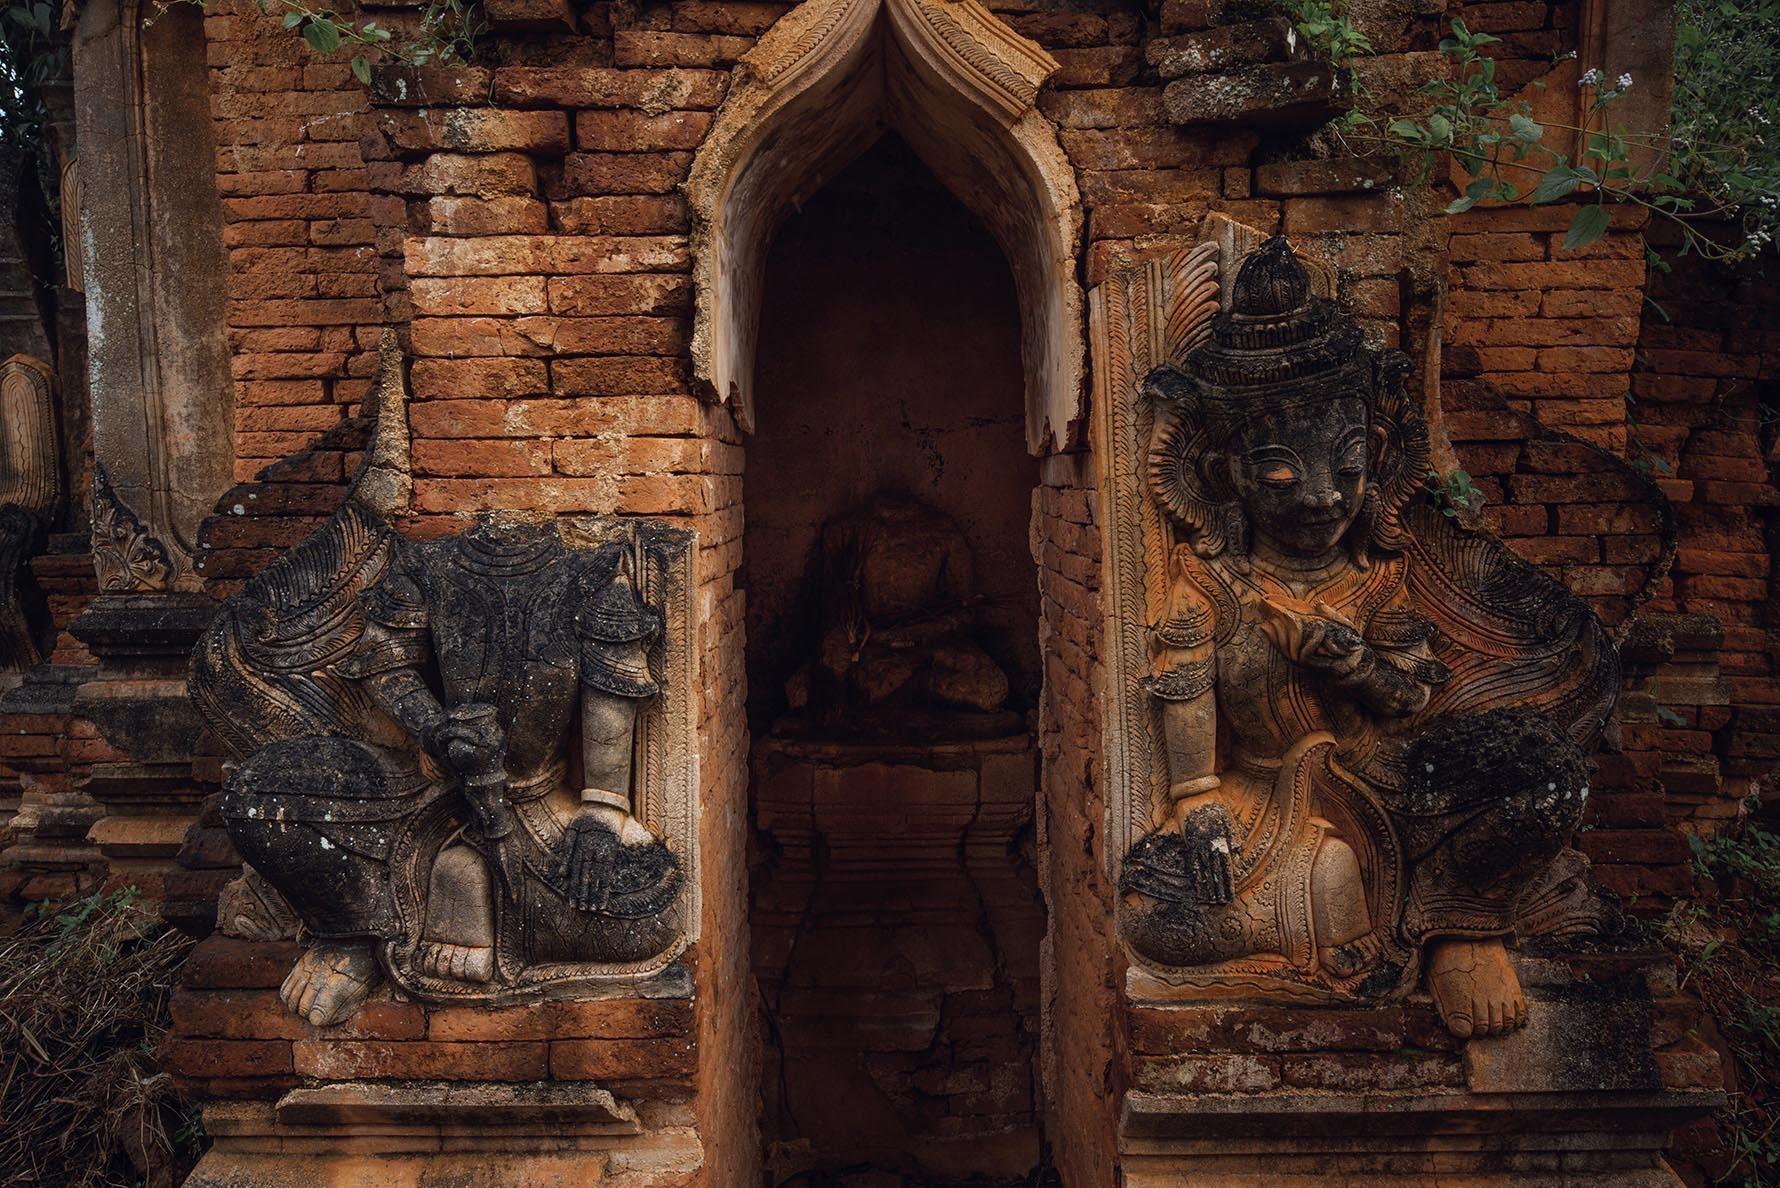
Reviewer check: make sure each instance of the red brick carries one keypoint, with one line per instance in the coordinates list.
(1373, 1073)
(427, 1060)
(470, 457)
(596, 174)
(509, 215)
(1591, 274)
(606, 1059)
(648, 47)
(709, 16)
(198, 1058)
(637, 132)
(544, 336)
(223, 963)
(478, 130)
(562, 255)
(623, 214)
(594, 86)
(1207, 1074)
(457, 379)
(595, 296)
(479, 295)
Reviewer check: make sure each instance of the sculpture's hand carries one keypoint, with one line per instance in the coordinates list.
(1207, 834)
(1325, 641)
(587, 855)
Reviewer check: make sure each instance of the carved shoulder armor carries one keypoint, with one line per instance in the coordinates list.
(1200, 608)
(395, 634)
(615, 629)
(396, 601)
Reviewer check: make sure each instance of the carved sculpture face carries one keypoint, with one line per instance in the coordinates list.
(1300, 473)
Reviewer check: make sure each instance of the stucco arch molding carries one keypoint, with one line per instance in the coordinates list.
(961, 88)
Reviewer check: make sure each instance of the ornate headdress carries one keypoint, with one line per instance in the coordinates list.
(1277, 341)
(1278, 344)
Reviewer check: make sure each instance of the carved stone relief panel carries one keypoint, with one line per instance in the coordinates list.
(1347, 740)
(466, 765)
(150, 243)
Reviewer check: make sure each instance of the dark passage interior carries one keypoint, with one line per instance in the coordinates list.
(893, 665)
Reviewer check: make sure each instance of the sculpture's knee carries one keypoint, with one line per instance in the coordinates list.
(289, 808)
(1502, 791)
(1338, 894)
(460, 900)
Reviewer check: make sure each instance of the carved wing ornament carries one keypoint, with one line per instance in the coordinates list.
(1184, 474)
(126, 555)
(1400, 450)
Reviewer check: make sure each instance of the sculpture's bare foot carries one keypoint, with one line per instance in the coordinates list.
(1475, 988)
(331, 981)
(463, 963)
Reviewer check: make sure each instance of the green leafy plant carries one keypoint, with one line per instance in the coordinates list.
(446, 35)
(1327, 31)
(1454, 494)
(1716, 163)
(1724, 938)
(1726, 125)
(32, 54)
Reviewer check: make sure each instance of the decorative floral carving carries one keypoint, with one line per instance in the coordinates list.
(126, 555)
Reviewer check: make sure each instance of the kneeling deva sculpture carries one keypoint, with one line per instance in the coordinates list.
(440, 748)
(1372, 720)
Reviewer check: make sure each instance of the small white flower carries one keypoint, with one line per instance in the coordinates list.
(1625, 81)
(1590, 77)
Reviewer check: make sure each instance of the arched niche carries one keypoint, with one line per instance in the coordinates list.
(960, 87)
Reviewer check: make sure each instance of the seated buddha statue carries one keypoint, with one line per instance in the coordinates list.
(898, 612)
(1373, 720)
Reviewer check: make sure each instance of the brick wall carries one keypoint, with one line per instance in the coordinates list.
(303, 313)
(521, 226)
(1083, 1068)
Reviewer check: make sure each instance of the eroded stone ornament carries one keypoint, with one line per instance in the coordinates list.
(440, 749)
(1373, 721)
(30, 485)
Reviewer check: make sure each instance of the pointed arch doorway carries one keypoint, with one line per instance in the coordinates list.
(885, 233)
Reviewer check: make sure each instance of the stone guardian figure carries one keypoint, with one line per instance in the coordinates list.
(438, 747)
(1373, 721)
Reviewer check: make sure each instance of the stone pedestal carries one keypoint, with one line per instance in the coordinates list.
(477, 1134)
(536, 1095)
(1584, 1096)
(1403, 1140)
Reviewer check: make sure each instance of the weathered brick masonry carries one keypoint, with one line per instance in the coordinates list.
(522, 228)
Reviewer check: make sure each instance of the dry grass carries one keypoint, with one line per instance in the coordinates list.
(83, 1002)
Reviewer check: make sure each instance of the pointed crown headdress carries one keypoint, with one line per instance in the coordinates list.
(1278, 344)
